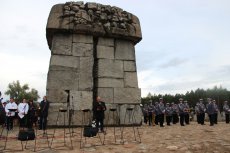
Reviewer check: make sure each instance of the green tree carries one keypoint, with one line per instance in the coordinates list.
(19, 92)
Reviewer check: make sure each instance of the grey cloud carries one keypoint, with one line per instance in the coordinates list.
(173, 63)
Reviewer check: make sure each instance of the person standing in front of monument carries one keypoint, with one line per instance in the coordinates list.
(99, 110)
(197, 111)
(202, 110)
(23, 108)
(161, 109)
(44, 108)
(10, 114)
(181, 108)
(226, 111)
(216, 110)
(156, 113)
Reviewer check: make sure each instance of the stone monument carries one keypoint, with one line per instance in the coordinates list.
(92, 54)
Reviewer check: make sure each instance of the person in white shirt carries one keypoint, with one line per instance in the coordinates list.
(10, 114)
(23, 108)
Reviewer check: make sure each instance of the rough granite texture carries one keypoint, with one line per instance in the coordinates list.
(92, 54)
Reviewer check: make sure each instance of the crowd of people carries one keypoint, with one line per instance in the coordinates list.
(156, 113)
(26, 112)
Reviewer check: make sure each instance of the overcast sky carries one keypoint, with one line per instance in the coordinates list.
(185, 45)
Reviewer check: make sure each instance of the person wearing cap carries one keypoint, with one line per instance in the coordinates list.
(186, 112)
(10, 114)
(216, 110)
(156, 113)
(168, 114)
(226, 111)
(2, 113)
(151, 111)
(202, 110)
(161, 109)
(197, 111)
(175, 110)
(181, 108)
(210, 111)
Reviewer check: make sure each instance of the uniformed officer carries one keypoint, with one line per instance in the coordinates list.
(151, 110)
(216, 110)
(210, 111)
(156, 113)
(202, 110)
(227, 111)
(181, 107)
(175, 117)
(161, 109)
(186, 112)
(197, 111)
(168, 114)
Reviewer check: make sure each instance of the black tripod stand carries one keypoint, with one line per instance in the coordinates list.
(130, 120)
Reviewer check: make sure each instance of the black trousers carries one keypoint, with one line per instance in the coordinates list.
(175, 118)
(168, 119)
(23, 122)
(145, 118)
(211, 119)
(215, 116)
(186, 118)
(101, 121)
(198, 118)
(161, 119)
(9, 122)
(150, 118)
(43, 122)
(182, 119)
(202, 115)
(227, 118)
(156, 119)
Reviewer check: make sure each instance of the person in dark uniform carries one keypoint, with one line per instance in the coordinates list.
(226, 111)
(99, 113)
(197, 111)
(210, 111)
(186, 112)
(168, 114)
(161, 109)
(216, 110)
(181, 108)
(2, 113)
(202, 110)
(156, 113)
(31, 114)
(175, 113)
(44, 107)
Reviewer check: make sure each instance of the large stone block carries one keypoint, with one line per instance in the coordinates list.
(110, 82)
(127, 95)
(110, 68)
(105, 52)
(63, 80)
(81, 100)
(124, 50)
(62, 44)
(129, 66)
(87, 39)
(65, 61)
(82, 49)
(106, 94)
(105, 41)
(57, 95)
(86, 73)
(131, 80)
(54, 112)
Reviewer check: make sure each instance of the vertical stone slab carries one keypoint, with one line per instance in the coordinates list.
(131, 80)
(81, 100)
(124, 50)
(86, 74)
(62, 44)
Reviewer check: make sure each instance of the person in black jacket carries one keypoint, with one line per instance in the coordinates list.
(31, 115)
(44, 107)
(99, 109)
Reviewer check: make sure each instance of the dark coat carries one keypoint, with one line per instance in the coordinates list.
(44, 108)
(2, 114)
(99, 109)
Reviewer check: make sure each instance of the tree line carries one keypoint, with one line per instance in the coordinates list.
(219, 94)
